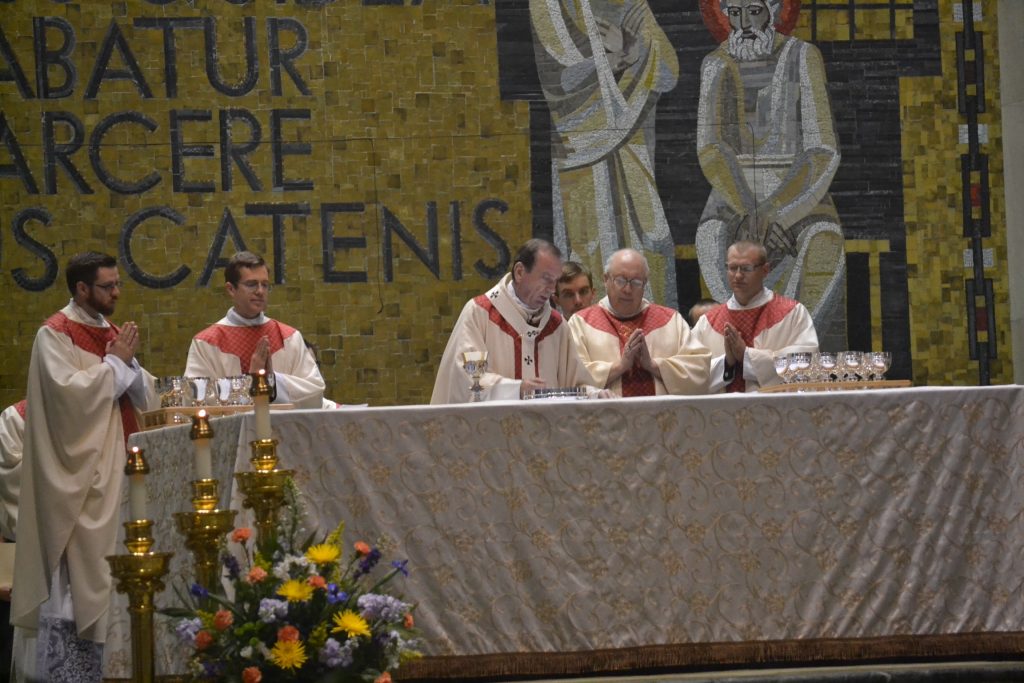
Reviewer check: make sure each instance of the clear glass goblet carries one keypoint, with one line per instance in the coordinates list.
(880, 362)
(782, 366)
(826, 366)
(851, 363)
(799, 364)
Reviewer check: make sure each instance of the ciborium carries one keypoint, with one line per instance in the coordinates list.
(475, 364)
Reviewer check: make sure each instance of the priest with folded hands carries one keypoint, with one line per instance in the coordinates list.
(246, 341)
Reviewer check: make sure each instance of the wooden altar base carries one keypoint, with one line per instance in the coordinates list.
(935, 672)
(694, 657)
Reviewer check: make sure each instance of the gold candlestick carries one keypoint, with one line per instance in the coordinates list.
(205, 526)
(139, 574)
(203, 529)
(263, 488)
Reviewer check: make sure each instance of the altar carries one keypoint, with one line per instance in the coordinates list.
(564, 537)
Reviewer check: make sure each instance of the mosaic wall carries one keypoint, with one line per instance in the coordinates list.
(387, 157)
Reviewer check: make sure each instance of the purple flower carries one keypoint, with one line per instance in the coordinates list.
(187, 629)
(400, 566)
(333, 654)
(199, 591)
(212, 669)
(335, 594)
(367, 564)
(271, 610)
(231, 564)
(385, 607)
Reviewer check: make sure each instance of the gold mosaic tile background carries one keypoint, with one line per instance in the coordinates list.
(933, 210)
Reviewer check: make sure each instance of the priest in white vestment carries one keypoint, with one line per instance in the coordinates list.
(246, 341)
(12, 441)
(747, 331)
(528, 344)
(84, 388)
(633, 347)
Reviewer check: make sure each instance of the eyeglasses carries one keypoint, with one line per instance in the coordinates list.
(745, 268)
(635, 283)
(255, 285)
(109, 286)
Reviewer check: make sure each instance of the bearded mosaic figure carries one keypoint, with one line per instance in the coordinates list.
(767, 144)
(602, 66)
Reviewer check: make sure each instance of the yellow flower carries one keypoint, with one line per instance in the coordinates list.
(323, 553)
(289, 654)
(351, 623)
(295, 590)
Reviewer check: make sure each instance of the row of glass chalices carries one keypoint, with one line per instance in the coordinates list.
(829, 366)
(176, 392)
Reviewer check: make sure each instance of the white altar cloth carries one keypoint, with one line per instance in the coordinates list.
(553, 537)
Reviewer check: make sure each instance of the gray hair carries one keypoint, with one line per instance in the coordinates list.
(638, 254)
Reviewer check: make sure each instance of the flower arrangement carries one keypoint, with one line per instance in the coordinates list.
(298, 613)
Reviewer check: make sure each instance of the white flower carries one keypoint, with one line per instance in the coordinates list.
(246, 652)
(283, 569)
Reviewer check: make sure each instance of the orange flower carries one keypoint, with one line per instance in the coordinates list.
(256, 574)
(408, 621)
(241, 535)
(252, 674)
(317, 581)
(223, 619)
(288, 634)
(203, 640)
(362, 548)
(383, 678)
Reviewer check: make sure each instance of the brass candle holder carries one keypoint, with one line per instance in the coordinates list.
(139, 574)
(264, 487)
(205, 526)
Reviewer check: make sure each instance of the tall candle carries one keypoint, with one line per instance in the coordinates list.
(201, 435)
(261, 403)
(136, 469)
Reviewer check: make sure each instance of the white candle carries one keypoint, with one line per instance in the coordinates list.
(137, 498)
(201, 434)
(261, 402)
(203, 459)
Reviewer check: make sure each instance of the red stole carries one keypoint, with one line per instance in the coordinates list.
(749, 322)
(21, 407)
(636, 381)
(95, 340)
(241, 341)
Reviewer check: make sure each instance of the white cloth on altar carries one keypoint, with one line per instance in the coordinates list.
(492, 322)
(680, 357)
(794, 333)
(72, 472)
(296, 374)
(12, 436)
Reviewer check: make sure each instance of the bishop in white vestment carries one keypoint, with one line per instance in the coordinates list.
(528, 344)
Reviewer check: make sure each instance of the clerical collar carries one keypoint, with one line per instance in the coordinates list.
(236, 319)
(97, 319)
(606, 304)
(529, 314)
(759, 299)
